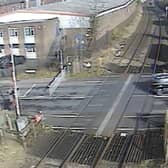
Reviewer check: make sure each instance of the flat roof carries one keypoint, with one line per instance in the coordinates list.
(8, 2)
(66, 19)
(63, 10)
(23, 16)
(88, 7)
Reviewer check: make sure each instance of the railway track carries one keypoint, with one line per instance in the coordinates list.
(134, 145)
(134, 58)
(89, 151)
(73, 149)
(58, 149)
(132, 50)
(130, 149)
(136, 62)
(153, 53)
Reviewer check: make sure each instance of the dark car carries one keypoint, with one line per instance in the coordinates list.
(160, 83)
(5, 61)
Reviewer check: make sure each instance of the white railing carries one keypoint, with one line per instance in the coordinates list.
(29, 39)
(56, 82)
(15, 51)
(1, 40)
(2, 53)
(14, 40)
(31, 55)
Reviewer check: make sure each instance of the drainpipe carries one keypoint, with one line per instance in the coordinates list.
(38, 3)
(27, 4)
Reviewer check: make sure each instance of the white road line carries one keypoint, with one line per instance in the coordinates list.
(72, 128)
(109, 114)
(29, 90)
(162, 96)
(146, 116)
(125, 129)
(68, 116)
(51, 98)
(140, 129)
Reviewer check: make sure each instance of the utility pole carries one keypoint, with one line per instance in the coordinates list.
(166, 8)
(14, 83)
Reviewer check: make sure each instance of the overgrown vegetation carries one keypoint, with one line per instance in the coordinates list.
(151, 164)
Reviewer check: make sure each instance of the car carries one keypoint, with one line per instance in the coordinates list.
(87, 64)
(118, 53)
(160, 83)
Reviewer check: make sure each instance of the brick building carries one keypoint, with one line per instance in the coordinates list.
(9, 6)
(29, 34)
(41, 36)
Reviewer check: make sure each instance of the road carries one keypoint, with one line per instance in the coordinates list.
(112, 107)
(120, 109)
(99, 106)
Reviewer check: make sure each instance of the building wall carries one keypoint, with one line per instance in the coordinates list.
(106, 23)
(109, 21)
(51, 34)
(48, 34)
(45, 34)
(6, 8)
(43, 2)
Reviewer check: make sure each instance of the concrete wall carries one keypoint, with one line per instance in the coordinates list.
(45, 35)
(110, 21)
(6, 8)
(106, 23)
(50, 36)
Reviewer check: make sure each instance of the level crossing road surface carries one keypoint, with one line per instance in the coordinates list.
(98, 105)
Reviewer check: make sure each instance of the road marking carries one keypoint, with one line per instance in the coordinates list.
(67, 116)
(55, 98)
(145, 116)
(29, 90)
(163, 96)
(125, 129)
(95, 105)
(73, 128)
(140, 129)
(109, 114)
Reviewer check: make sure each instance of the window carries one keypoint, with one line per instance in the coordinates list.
(29, 31)
(15, 45)
(1, 48)
(1, 34)
(13, 32)
(30, 48)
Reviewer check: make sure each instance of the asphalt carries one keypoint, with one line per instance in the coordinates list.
(84, 104)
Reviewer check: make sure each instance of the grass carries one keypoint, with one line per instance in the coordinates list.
(86, 74)
(151, 164)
